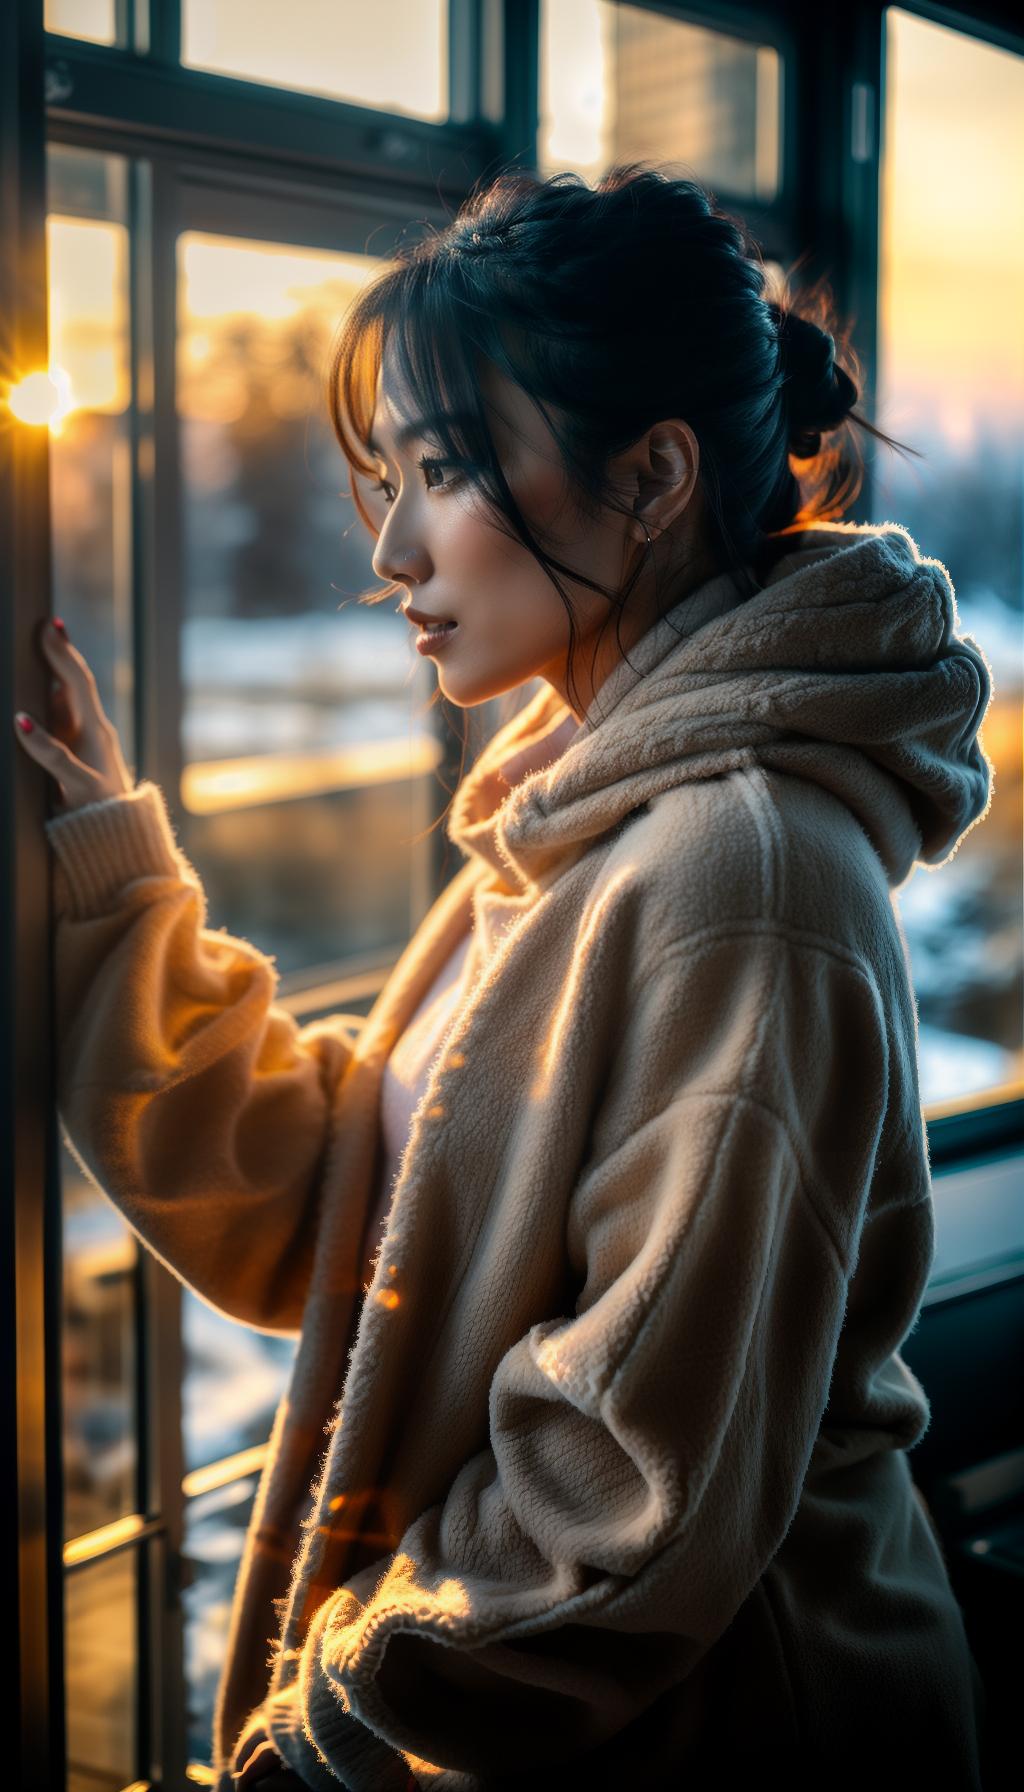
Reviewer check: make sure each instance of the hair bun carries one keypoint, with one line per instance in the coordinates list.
(819, 394)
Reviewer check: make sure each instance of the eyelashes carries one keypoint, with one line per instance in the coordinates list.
(425, 461)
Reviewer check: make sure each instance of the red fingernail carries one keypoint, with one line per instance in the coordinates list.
(25, 723)
(60, 626)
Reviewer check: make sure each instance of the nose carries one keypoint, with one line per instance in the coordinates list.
(397, 565)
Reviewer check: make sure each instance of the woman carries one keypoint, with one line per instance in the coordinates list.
(630, 1150)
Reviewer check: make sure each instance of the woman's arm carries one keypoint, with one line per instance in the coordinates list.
(195, 1103)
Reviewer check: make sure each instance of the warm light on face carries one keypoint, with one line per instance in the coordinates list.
(42, 398)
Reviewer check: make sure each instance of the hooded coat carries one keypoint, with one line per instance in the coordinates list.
(615, 1486)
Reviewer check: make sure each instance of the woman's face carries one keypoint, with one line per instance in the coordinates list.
(436, 539)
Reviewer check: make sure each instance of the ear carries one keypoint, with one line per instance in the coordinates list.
(663, 468)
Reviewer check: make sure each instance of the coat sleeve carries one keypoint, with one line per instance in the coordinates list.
(646, 1454)
(201, 1108)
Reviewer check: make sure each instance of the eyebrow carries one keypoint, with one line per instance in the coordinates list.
(419, 427)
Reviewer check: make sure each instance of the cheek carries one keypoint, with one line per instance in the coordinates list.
(513, 607)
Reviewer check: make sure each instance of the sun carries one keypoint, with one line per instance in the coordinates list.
(42, 399)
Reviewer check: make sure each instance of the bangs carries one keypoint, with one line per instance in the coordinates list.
(415, 317)
(439, 321)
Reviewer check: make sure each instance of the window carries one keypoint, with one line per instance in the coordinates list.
(92, 20)
(88, 252)
(298, 715)
(951, 382)
(87, 237)
(101, 1669)
(301, 765)
(619, 83)
(301, 743)
(392, 55)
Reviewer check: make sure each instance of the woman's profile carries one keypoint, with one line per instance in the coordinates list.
(601, 1237)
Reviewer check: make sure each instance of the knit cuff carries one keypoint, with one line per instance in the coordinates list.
(358, 1757)
(102, 846)
(282, 1716)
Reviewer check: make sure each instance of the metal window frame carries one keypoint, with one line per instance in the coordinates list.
(139, 102)
(30, 1260)
(152, 99)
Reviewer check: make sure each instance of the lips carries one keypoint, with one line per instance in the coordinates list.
(431, 640)
(423, 620)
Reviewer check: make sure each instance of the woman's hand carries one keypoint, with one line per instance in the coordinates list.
(79, 747)
(255, 1758)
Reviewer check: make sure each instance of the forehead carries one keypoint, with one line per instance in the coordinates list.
(511, 413)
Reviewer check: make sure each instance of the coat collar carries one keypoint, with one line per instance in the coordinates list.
(845, 668)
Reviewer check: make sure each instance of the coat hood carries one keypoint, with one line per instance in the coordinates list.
(847, 668)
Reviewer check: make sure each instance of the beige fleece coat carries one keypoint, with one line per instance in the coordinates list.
(615, 1485)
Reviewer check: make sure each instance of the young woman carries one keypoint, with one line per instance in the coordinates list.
(602, 1235)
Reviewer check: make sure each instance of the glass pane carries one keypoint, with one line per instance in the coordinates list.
(99, 1380)
(951, 383)
(979, 1220)
(234, 1379)
(90, 19)
(307, 748)
(101, 1672)
(393, 55)
(90, 430)
(214, 1536)
(619, 83)
(87, 246)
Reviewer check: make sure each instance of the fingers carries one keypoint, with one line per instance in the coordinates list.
(281, 1779)
(73, 670)
(55, 758)
(253, 1736)
(96, 768)
(64, 710)
(263, 1761)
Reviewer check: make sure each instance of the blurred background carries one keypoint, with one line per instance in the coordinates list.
(222, 177)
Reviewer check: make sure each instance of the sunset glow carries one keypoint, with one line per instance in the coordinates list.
(393, 55)
(88, 310)
(951, 273)
(228, 285)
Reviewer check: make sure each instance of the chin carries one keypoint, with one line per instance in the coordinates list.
(468, 692)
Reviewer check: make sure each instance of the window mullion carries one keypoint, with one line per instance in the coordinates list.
(464, 60)
(518, 129)
(163, 1726)
(164, 23)
(156, 590)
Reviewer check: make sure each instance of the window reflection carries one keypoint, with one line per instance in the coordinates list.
(393, 55)
(951, 383)
(620, 83)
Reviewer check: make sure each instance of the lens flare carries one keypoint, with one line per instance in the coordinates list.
(42, 399)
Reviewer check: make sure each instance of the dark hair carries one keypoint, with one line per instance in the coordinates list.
(620, 305)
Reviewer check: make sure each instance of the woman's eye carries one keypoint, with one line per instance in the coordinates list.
(428, 465)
